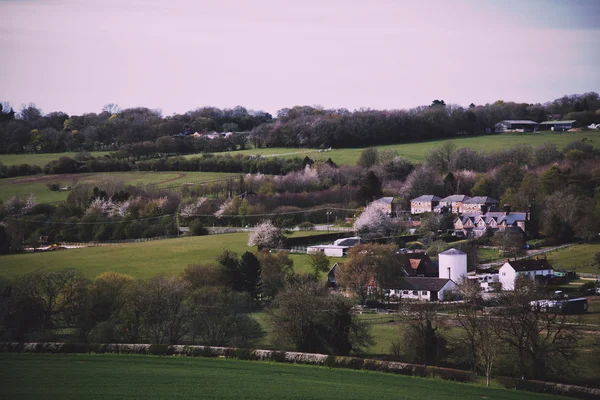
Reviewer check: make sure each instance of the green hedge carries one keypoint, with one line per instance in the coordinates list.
(550, 388)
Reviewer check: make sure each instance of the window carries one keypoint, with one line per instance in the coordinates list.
(424, 292)
(405, 292)
(504, 274)
(415, 292)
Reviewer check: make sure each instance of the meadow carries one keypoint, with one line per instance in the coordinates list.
(59, 376)
(40, 159)
(37, 185)
(141, 259)
(416, 152)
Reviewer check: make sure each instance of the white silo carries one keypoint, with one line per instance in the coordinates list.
(453, 265)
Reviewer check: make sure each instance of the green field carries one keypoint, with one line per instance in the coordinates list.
(36, 185)
(579, 257)
(142, 259)
(59, 376)
(40, 159)
(416, 152)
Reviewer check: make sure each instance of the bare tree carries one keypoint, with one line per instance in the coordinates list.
(543, 341)
(111, 108)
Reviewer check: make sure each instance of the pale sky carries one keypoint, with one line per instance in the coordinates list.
(78, 55)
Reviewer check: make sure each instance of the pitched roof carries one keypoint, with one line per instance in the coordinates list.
(418, 283)
(455, 197)
(386, 200)
(569, 121)
(501, 217)
(452, 252)
(529, 265)
(518, 121)
(427, 197)
(481, 200)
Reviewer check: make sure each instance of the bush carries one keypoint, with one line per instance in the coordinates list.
(306, 226)
(197, 228)
(160, 350)
(549, 388)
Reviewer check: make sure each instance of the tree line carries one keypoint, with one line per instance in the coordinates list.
(139, 131)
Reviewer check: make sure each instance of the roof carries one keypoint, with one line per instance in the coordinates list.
(418, 283)
(569, 121)
(455, 197)
(452, 252)
(427, 197)
(481, 200)
(501, 217)
(350, 241)
(386, 200)
(530, 265)
(518, 121)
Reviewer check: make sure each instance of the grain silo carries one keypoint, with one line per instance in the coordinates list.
(453, 265)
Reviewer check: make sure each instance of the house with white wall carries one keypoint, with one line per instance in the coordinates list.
(532, 269)
(339, 248)
(420, 288)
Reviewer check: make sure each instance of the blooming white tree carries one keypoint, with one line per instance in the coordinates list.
(374, 222)
(266, 235)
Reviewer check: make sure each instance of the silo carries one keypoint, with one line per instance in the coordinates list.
(453, 265)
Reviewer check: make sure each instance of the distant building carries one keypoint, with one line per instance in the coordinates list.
(453, 203)
(481, 204)
(386, 204)
(516, 125)
(339, 248)
(558, 125)
(423, 204)
(476, 224)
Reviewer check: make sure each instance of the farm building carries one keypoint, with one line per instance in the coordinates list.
(516, 125)
(534, 269)
(420, 288)
(558, 125)
(339, 248)
(417, 263)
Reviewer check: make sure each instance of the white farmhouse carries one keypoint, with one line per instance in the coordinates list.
(530, 268)
(420, 288)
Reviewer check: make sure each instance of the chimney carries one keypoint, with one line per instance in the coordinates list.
(484, 208)
(506, 209)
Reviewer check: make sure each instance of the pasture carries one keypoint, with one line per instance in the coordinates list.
(141, 259)
(416, 152)
(59, 376)
(37, 185)
(579, 257)
(40, 159)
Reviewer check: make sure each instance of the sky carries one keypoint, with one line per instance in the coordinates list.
(76, 56)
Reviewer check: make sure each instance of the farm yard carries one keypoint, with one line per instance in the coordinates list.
(57, 376)
(37, 185)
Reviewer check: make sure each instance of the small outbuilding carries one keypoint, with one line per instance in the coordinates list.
(419, 288)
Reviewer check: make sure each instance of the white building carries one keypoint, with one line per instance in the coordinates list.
(420, 288)
(529, 268)
(453, 265)
(486, 281)
(339, 248)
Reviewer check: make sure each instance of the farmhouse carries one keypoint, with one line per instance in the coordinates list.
(423, 204)
(534, 269)
(558, 125)
(339, 248)
(480, 204)
(516, 125)
(419, 288)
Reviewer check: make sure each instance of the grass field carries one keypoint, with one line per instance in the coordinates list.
(40, 159)
(416, 152)
(25, 185)
(579, 258)
(141, 260)
(35, 376)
